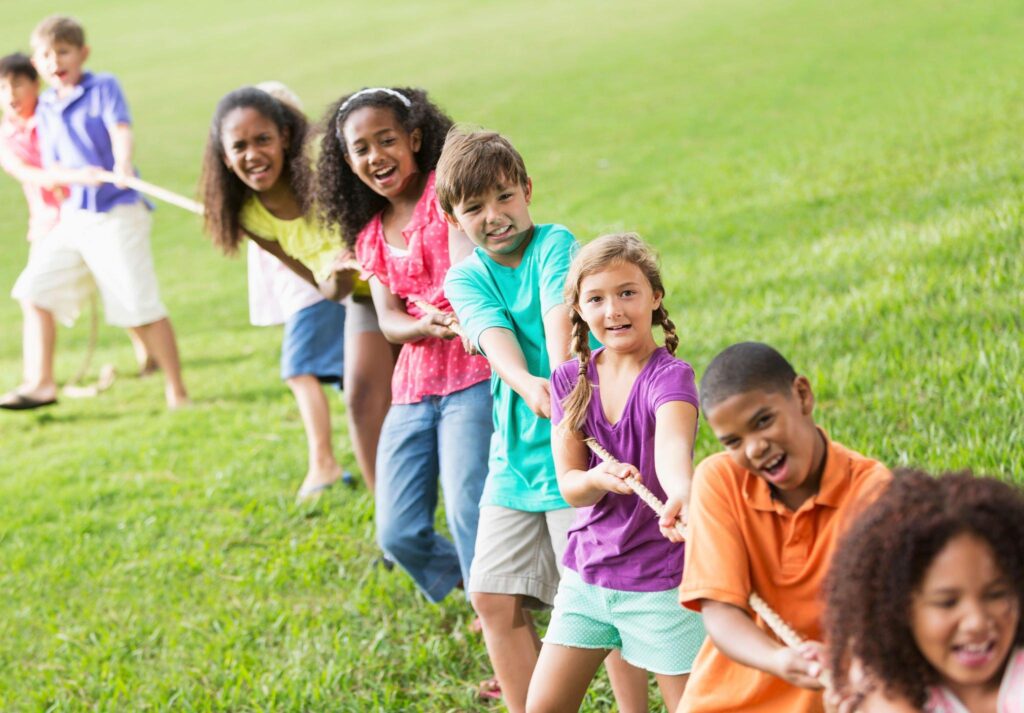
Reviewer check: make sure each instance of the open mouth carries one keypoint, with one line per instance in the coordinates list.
(975, 655)
(775, 467)
(385, 173)
(499, 233)
(619, 328)
(258, 172)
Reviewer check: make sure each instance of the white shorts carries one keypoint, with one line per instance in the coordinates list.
(88, 250)
(520, 552)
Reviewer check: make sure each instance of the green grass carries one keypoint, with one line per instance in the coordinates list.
(843, 180)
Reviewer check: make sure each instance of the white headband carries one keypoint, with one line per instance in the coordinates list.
(373, 90)
(363, 92)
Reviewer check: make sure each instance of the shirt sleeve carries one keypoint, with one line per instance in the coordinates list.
(475, 301)
(676, 382)
(558, 251)
(115, 107)
(717, 566)
(47, 144)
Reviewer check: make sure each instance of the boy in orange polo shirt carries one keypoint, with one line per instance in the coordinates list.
(764, 517)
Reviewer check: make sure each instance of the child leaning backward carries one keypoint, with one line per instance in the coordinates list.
(103, 234)
(508, 297)
(765, 517)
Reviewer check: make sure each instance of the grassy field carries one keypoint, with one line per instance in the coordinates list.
(843, 180)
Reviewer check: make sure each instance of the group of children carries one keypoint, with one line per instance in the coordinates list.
(498, 357)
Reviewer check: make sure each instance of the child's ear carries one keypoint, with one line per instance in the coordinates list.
(450, 219)
(528, 190)
(85, 53)
(416, 140)
(658, 297)
(804, 394)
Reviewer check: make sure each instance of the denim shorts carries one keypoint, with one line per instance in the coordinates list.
(314, 343)
(650, 628)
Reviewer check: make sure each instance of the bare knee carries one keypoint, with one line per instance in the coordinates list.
(498, 610)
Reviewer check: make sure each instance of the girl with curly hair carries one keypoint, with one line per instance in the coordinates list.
(257, 184)
(924, 599)
(375, 181)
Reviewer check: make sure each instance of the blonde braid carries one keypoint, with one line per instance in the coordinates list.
(576, 402)
(669, 327)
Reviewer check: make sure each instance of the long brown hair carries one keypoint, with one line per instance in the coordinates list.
(596, 256)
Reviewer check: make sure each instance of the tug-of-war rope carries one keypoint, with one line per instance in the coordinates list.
(775, 623)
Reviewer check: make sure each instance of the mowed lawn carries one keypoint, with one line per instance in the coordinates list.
(842, 180)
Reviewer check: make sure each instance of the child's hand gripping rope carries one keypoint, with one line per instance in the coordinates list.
(636, 486)
(807, 650)
(451, 323)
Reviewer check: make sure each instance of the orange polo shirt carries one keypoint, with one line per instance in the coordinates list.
(741, 540)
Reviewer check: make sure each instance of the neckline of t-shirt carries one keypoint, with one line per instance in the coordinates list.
(596, 381)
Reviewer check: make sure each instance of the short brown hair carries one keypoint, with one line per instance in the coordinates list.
(58, 28)
(472, 162)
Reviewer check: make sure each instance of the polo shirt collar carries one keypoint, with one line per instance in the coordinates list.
(834, 479)
(50, 96)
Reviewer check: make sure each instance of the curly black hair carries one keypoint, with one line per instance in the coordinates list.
(881, 562)
(342, 197)
(223, 192)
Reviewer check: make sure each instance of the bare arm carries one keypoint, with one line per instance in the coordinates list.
(397, 325)
(674, 430)
(342, 279)
(507, 360)
(557, 333)
(123, 145)
(738, 637)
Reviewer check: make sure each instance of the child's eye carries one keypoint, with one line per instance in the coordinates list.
(763, 421)
(628, 293)
(594, 299)
(505, 196)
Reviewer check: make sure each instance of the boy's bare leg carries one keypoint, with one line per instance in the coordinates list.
(512, 644)
(160, 343)
(629, 684)
(316, 419)
(147, 365)
(369, 362)
(38, 341)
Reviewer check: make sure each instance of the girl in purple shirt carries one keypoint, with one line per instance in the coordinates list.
(623, 564)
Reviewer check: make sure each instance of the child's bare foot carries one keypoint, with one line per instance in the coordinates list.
(317, 481)
(148, 367)
(176, 399)
(489, 690)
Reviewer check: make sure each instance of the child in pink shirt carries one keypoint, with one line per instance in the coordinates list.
(376, 182)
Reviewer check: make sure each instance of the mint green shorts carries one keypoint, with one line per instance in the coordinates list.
(650, 628)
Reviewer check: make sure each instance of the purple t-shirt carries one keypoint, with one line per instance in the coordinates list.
(75, 132)
(616, 543)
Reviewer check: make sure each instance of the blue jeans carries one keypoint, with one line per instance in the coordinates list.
(447, 435)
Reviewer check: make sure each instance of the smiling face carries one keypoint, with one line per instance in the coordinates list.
(60, 64)
(772, 434)
(964, 616)
(253, 148)
(617, 303)
(380, 151)
(498, 220)
(19, 95)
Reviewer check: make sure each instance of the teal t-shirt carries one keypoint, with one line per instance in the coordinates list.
(486, 295)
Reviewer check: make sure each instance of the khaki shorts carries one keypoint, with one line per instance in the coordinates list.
(520, 552)
(88, 250)
(360, 316)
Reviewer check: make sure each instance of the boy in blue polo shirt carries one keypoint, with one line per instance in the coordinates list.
(102, 239)
(507, 295)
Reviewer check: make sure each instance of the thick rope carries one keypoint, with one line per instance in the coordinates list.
(431, 309)
(635, 485)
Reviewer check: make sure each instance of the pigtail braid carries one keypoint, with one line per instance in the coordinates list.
(669, 327)
(576, 402)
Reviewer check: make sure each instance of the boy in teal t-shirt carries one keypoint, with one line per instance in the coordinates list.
(507, 295)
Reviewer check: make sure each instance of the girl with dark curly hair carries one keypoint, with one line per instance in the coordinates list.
(257, 183)
(375, 180)
(924, 599)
